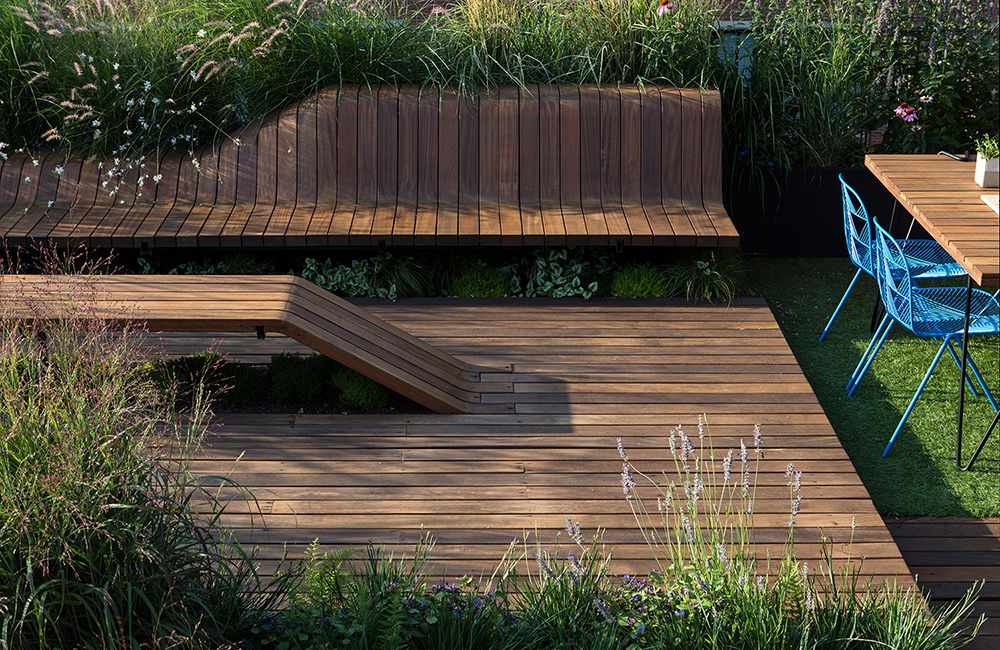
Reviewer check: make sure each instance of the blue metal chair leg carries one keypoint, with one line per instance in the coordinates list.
(868, 350)
(916, 395)
(840, 304)
(958, 362)
(863, 369)
(982, 382)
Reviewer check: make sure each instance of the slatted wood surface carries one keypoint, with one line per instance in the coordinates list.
(366, 166)
(943, 196)
(948, 555)
(584, 373)
(284, 304)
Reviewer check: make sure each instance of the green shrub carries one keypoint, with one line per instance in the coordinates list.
(640, 281)
(101, 543)
(245, 385)
(711, 279)
(560, 273)
(237, 264)
(360, 391)
(297, 379)
(481, 281)
(381, 276)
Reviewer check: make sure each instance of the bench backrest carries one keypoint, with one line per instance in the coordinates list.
(548, 144)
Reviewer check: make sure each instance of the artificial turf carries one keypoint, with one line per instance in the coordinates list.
(919, 476)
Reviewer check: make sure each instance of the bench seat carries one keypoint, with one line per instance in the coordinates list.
(373, 166)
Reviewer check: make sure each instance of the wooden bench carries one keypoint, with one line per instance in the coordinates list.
(284, 304)
(360, 166)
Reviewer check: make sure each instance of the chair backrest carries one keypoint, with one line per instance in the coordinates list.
(857, 228)
(895, 281)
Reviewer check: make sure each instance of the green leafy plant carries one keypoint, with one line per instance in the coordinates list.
(238, 264)
(560, 273)
(381, 276)
(481, 281)
(640, 281)
(711, 279)
(298, 379)
(988, 147)
(360, 391)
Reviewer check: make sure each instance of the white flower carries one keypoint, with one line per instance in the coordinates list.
(95, 123)
(158, 178)
(202, 33)
(156, 101)
(118, 86)
(27, 179)
(116, 66)
(147, 86)
(51, 203)
(35, 162)
(59, 170)
(127, 132)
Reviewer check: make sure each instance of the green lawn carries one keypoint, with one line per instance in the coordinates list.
(919, 476)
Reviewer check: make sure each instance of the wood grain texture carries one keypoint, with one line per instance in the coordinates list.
(284, 304)
(943, 197)
(380, 165)
(949, 555)
(584, 374)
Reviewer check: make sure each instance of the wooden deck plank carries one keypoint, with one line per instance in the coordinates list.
(347, 187)
(549, 160)
(468, 172)
(346, 479)
(426, 224)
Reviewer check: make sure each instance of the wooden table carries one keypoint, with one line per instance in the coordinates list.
(942, 196)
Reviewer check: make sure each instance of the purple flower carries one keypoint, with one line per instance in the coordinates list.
(628, 480)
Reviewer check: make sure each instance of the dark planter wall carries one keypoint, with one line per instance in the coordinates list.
(799, 214)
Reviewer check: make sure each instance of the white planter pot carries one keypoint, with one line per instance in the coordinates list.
(987, 171)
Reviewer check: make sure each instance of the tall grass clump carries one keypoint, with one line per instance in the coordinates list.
(817, 84)
(100, 543)
(710, 587)
(809, 83)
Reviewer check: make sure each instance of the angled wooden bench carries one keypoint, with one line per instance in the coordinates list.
(369, 166)
(286, 304)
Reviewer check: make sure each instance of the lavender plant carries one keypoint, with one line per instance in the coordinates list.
(709, 588)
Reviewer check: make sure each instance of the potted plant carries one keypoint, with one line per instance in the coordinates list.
(988, 161)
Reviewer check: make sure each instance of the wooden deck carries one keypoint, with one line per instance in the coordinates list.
(372, 166)
(584, 374)
(948, 556)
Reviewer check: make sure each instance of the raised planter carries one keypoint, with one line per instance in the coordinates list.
(799, 213)
(987, 171)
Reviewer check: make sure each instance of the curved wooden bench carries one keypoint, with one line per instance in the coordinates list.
(285, 304)
(367, 166)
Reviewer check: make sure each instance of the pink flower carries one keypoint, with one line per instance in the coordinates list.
(906, 112)
(665, 8)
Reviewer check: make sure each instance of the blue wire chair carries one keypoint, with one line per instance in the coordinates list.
(931, 312)
(926, 257)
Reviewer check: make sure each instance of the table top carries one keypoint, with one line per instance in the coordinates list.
(943, 196)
